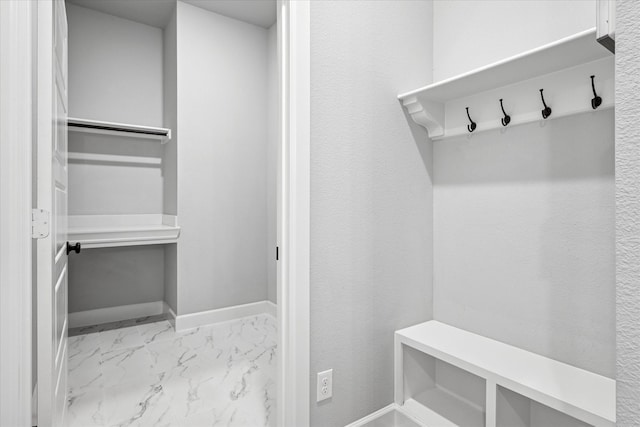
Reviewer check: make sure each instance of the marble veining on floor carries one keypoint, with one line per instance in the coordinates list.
(146, 374)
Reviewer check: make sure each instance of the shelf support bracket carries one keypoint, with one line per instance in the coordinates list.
(429, 115)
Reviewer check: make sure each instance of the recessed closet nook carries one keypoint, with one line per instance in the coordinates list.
(172, 151)
(172, 199)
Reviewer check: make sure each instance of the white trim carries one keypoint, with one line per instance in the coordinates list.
(372, 416)
(294, 213)
(34, 405)
(16, 38)
(114, 314)
(606, 24)
(209, 317)
(171, 315)
(187, 321)
(428, 416)
(43, 190)
(381, 412)
(271, 308)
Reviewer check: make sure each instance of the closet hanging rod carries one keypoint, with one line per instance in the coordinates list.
(95, 126)
(117, 129)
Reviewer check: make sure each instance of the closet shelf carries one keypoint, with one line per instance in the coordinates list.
(104, 231)
(563, 69)
(581, 394)
(119, 129)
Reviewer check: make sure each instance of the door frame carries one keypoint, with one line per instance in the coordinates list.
(16, 133)
(17, 36)
(293, 379)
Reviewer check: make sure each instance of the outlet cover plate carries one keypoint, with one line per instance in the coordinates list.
(324, 385)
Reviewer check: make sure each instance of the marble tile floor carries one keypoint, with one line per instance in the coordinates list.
(143, 373)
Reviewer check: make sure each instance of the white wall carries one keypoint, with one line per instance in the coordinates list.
(524, 221)
(468, 34)
(524, 238)
(272, 160)
(115, 74)
(116, 68)
(371, 201)
(111, 277)
(627, 208)
(100, 186)
(222, 160)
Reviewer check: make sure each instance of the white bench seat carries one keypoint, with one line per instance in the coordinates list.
(584, 395)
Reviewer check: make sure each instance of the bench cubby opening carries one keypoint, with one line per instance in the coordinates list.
(516, 410)
(439, 389)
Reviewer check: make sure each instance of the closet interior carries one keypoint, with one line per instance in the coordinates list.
(171, 158)
(172, 212)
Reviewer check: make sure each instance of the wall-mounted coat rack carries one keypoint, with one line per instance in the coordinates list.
(571, 76)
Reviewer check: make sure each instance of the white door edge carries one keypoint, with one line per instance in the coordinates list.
(16, 38)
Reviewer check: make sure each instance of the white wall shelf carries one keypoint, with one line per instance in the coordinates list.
(581, 394)
(103, 231)
(562, 69)
(119, 129)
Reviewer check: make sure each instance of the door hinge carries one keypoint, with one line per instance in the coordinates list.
(39, 223)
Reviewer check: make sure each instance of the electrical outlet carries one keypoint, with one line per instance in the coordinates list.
(325, 385)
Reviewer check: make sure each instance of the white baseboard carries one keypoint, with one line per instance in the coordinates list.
(271, 308)
(372, 416)
(381, 412)
(115, 314)
(186, 321)
(34, 405)
(172, 315)
(203, 318)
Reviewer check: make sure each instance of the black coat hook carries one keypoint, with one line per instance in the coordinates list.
(507, 118)
(473, 124)
(547, 110)
(596, 101)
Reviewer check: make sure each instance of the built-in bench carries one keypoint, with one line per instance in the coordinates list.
(445, 376)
